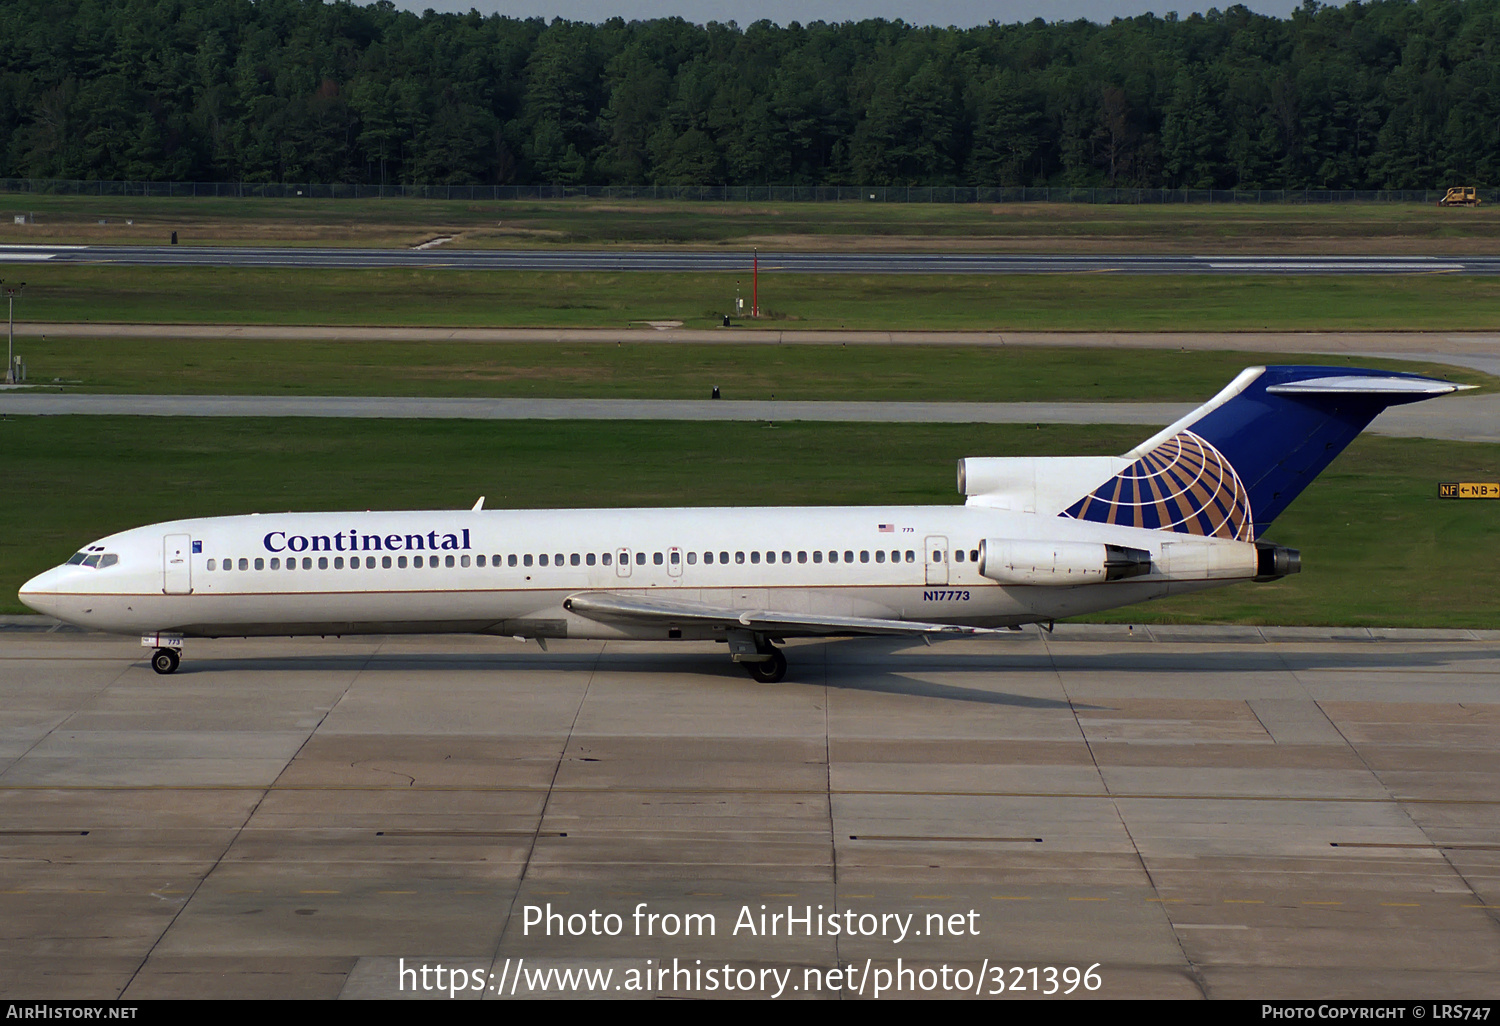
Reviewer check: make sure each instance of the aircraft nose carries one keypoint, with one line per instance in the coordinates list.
(36, 592)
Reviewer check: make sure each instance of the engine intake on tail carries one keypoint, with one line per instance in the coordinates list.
(1023, 561)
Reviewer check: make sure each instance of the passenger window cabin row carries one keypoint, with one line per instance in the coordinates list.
(673, 558)
(101, 559)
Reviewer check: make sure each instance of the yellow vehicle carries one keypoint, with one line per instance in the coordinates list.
(1460, 196)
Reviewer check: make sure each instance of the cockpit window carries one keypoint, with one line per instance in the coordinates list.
(92, 560)
(108, 559)
(77, 558)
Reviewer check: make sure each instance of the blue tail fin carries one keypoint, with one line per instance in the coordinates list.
(1231, 466)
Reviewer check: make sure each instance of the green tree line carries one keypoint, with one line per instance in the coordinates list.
(1388, 94)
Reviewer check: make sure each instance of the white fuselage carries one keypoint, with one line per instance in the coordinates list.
(509, 572)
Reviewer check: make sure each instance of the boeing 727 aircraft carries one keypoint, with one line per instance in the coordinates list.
(1037, 539)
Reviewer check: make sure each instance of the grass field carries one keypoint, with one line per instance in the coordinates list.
(1378, 547)
(646, 370)
(1097, 302)
(1382, 228)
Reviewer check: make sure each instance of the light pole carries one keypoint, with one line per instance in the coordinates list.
(755, 287)
(10, 335)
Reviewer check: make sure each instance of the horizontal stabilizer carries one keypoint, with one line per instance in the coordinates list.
(1391, 390)
(609, 607)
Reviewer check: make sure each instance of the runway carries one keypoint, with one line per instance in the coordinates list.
(674, 260)
(1187, 812)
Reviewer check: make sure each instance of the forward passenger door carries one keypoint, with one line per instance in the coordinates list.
(177, 565)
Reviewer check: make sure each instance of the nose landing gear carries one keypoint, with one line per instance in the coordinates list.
(168, 651)
(165, 660)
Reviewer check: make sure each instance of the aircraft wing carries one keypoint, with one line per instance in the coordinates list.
(608, 607)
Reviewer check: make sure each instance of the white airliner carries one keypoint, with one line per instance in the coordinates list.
(1038, 539)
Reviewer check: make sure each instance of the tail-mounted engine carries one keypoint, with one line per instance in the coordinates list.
(1023, 561)
(1273, 562)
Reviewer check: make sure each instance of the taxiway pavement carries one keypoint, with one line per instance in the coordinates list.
(1220, 812)
(1456, 418)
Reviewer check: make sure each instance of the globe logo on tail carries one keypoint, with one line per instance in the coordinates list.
(1184, 485)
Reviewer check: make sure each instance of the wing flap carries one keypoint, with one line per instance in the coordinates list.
(608, 607)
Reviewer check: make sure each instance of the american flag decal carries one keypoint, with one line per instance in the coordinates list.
(887, 528)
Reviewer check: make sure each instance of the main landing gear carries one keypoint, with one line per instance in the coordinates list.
(165, 660)
(762, 660)
(769, 671)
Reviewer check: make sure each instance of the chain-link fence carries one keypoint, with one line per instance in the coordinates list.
(716, 193)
